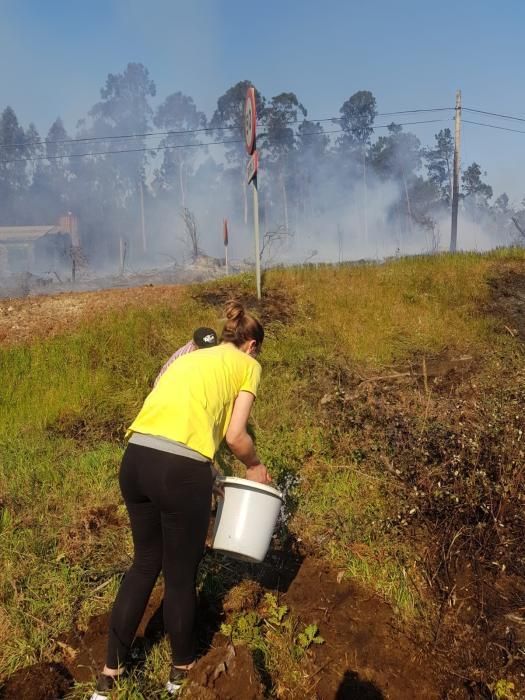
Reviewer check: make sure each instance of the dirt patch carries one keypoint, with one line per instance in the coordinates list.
(507, 301)
(38, 682)
(365, 654)
(276, 305)
(85, 650)
(225, 673)
(104, 516)
(93, 534)
(90, 426)
(24, 320)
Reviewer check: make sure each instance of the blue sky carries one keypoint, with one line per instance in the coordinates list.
(55, 56)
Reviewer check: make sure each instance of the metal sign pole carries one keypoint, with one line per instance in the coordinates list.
(226, 241)
(250, 128)
(256, 229)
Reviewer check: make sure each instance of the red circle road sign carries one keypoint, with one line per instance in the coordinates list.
(250, 120)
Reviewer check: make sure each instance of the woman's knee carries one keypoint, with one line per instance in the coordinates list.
(147, 565)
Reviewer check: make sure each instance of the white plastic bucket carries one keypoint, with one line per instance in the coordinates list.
(246, 519)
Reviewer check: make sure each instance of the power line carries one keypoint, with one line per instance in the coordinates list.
(494, 114)
(378, 114)
(415, 111)
(126, 150)
(494, 126)
(154, 149)
(426, 121)
(146, 134)
(180, 132)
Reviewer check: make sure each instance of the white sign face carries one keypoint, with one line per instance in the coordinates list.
(250, 120)
(253, 166)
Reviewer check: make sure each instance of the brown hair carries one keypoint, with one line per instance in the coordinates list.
(240, 326)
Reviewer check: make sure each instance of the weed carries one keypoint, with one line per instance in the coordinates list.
(304, 640)
(503, 690)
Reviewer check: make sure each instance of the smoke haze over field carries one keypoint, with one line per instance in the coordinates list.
(356, 186)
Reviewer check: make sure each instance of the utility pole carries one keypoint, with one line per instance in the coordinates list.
(143, 227)
(455, 176)
(365, 193)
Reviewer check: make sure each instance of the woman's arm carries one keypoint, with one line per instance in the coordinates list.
(240, 442)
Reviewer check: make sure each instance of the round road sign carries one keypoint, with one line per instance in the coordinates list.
(250, 120)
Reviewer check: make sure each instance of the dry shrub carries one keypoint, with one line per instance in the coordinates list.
(94, 531)
(6, 628)
(91, 425)
(244, 596)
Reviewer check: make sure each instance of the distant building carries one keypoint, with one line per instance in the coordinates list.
(38, 249)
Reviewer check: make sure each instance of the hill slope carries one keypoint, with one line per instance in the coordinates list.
(390, 409)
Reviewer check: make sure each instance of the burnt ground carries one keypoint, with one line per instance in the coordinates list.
(507, 302)
(25, 319)
(276, 305)
(474, 560)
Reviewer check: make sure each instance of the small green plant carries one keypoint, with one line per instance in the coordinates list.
(503, 690)
(274, 613)
(304, 640)
(245, 629)
(260, 631)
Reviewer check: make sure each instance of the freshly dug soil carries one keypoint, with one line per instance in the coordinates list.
(365, 654)
(226, 673)
(38, 682)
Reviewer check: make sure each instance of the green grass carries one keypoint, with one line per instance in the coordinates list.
(66, 401)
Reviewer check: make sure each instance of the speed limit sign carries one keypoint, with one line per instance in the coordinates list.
(250, 120)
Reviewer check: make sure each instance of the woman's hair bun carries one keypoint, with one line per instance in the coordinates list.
(240, 326)
(234, 310)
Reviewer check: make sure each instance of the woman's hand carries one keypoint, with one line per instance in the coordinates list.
(218, 482)
(218, 488)
(258, 473)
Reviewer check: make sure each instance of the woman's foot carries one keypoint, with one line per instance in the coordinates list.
(177, 677)
(106, 682)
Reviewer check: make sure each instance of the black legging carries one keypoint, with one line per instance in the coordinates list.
(168, 498)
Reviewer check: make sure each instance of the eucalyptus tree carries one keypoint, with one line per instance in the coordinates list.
(228, 122)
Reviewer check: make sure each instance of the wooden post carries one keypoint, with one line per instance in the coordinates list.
(122, 254)
(365, 193)
(142, 224)
(256, 229)
(455, 176)
(225, 237)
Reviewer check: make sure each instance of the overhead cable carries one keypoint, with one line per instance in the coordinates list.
(494, 126)
(494, 114)
(181, 132)
(154, 149)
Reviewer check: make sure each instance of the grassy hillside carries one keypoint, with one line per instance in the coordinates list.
(391, 406)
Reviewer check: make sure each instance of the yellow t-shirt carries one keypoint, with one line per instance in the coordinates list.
(193, 400)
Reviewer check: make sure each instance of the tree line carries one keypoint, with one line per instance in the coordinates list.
(307, 170)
